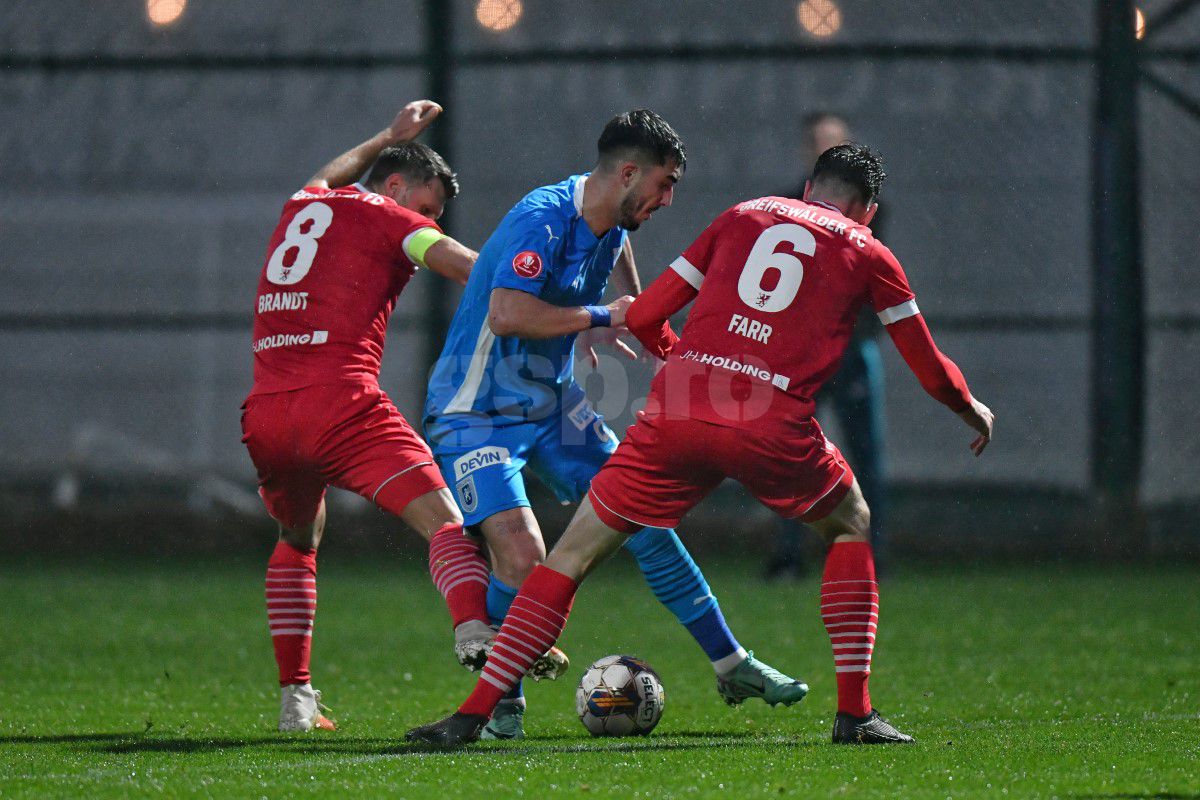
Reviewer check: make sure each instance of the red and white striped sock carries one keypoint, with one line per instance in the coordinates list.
(850, 611)
(460, 573)
(534, 622)
(291, 606)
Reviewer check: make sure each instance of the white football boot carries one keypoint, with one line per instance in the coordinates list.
(473, 642)
(300, 709)
(550, 665)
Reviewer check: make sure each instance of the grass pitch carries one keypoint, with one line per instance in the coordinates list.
(143, 679)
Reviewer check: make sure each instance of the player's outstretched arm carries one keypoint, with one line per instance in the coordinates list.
(625, 281)
(649, 316)
(512, 312)
(940, 376)
(625, 275)
(353, 164)
(450, 259)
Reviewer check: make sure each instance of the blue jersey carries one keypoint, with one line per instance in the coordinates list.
(544, 247)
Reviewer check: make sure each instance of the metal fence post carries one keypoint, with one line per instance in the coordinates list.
(1118, 333)
(439, 67)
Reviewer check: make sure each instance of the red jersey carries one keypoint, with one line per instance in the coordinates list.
(780, 283)
(335, 266)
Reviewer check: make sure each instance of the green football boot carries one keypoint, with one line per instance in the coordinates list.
(507, 722)
(753, 678)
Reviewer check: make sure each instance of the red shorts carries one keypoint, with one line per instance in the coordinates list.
(345, 435)
(666, 466)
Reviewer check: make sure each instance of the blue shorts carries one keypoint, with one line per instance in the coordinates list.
(565, 451)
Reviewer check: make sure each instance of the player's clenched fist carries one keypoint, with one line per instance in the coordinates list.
(413, 119)
(618, 308)
(979, 418)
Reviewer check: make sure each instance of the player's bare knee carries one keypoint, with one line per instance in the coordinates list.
(586, 543)
(516, 544)
(854, 526)
(849, 521)
(431, 512)
(859, 525)
(858, 516)
(444, 510)
(306, 538)
(513, 563)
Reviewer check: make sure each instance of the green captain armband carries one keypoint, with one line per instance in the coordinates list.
(417, 244)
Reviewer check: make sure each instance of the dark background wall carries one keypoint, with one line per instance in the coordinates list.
(139, 197)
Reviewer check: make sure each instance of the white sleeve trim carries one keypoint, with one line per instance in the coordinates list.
(689, 273)
(897, 313)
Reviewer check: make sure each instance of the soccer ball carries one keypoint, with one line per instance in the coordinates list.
(619, 696)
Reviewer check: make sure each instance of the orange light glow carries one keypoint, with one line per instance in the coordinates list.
(165, 12)
(1140, 23)
(498, 15)
(820, 18)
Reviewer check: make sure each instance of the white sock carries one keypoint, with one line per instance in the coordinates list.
(729, 663)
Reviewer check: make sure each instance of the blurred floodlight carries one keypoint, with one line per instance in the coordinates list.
(821, 18)
(1140, 23)
(165, 12)
(498, 15)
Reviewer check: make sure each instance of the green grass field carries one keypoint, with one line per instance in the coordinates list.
(1020, 682)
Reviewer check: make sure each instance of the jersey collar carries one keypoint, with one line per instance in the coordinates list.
(830, 206)
(577, 195)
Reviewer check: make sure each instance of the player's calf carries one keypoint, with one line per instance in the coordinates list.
(850, 603)
(291, 597)
(460, 573)
(456, 562)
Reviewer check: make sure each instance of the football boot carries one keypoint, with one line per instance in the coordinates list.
(507, 722)
(753, 678)
(472, 643)
(300, 709)
(453, 731)
(871, 729)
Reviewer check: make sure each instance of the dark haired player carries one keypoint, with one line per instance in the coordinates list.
(854, 394)
(503, 396)
(336, 263)
(777, 284)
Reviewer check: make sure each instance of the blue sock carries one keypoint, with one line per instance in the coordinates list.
(711, 632)
(499, 597)
(680, 586)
